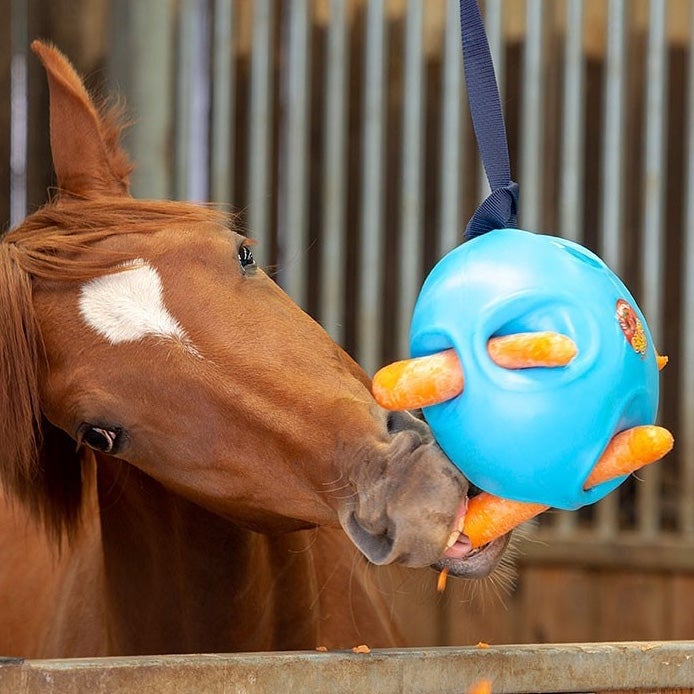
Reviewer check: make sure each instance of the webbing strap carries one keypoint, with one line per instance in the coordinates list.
(499, 209)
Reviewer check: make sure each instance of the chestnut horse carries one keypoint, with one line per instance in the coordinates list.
(188, 462)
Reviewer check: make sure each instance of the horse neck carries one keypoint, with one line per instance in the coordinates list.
(181, 579)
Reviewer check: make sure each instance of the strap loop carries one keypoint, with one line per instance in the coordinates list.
(499, 209)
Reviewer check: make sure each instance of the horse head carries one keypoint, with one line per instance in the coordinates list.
(143, 330)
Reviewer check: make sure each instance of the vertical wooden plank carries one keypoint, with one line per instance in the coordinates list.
(415, 604)
(612, 209)
(260, 107)
(334, 191)
(139, 62)
(558, 605)
(223, 96)
(38, 166)
(193, 105)
(685, 443)
(411, 198)
(573, 132)
(653, 258)
(680, 591)
(293, 214)
(479, 612)
(5, 66)
(371, 246)
(532, 119)
(633, 606)
(452, 152)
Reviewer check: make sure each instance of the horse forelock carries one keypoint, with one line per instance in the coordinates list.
(60, 242)
(38, 463)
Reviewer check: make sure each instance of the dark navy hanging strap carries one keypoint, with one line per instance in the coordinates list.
(498, 210)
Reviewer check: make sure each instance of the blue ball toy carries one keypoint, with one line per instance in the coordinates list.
(535, 434)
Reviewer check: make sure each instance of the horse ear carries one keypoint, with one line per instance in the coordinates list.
(86, 155)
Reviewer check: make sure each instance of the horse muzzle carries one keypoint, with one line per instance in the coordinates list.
(408, 504)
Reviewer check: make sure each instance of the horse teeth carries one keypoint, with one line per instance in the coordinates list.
(461, 524)
(452, 539)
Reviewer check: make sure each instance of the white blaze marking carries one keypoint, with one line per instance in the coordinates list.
(126, 306)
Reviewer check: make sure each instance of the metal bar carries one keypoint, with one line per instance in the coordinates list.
(685, 443)
(17, 112)
(335, 174)
(369, 305)
(532, 119)
(292, 223)
(520, 668)
(612, 212)
(494, 27)
(652, 256)
(222, 125)
(200, 70)
(411, 176)
(571, 202)
(260, 126)
(141, 69)
(183, 121)
(451, 147)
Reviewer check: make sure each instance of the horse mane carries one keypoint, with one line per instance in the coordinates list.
(60, 242)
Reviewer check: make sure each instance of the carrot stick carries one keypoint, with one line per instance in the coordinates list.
(413, 383)
(526, 350)
(422, 381)
(630, 450)
(489, 517)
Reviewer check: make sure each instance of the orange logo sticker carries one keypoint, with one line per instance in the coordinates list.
(631, 327)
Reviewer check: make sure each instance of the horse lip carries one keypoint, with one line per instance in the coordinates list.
(478, 563)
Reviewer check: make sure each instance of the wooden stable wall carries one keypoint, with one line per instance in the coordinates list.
(550, 604)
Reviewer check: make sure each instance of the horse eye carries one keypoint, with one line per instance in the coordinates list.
(103, 440)
(246, 259)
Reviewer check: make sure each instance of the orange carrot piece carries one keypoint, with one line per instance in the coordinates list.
(489, 517)
(412, 383)
(630, 450)
(661, 360)
(481, 687)
(441, 580)
(526, 350)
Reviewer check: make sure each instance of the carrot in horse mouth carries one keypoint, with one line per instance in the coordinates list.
(489, 517)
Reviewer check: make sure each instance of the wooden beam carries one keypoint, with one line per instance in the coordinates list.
(595, 667)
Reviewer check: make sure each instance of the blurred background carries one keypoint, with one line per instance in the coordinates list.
(338, 130)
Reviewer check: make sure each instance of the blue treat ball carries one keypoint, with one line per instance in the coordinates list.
(535, 434)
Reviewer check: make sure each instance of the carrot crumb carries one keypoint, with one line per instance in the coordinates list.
(361, 649)
(481, 687)
(322, 649)
(482, 644)
(441, 582)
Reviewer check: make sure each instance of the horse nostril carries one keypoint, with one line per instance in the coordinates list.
(378, 549)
